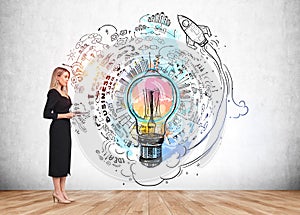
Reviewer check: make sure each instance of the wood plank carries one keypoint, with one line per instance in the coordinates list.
(123, 205)
(174, 204)
(103, 207)
(157, 204)
(140, 205)
(194, 207)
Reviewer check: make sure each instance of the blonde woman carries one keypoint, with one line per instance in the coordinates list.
(57, 108)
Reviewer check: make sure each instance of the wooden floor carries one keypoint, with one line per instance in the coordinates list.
(153, 202)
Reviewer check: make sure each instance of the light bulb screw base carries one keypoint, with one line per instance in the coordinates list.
(151, 150)
(150, 162)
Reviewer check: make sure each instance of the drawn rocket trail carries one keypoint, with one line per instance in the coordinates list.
(195, 34)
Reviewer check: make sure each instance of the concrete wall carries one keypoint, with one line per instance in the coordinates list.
(258, 151)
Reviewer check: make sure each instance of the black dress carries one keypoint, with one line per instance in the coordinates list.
(60, 134)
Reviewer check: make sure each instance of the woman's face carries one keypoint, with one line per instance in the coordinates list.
(63, 79)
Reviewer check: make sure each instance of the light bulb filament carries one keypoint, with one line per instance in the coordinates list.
(151, 123)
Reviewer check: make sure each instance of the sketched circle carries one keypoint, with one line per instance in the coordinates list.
(105, 129)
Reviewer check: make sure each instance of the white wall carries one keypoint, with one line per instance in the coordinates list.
(258, 151)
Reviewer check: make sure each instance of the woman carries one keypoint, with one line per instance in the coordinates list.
(57, 109)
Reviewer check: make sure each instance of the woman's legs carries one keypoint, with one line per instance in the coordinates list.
(62, 186)
(63, 183)
(57, 187)
(63, 189)
(58, 192)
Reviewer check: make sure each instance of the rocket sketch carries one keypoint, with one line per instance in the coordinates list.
(194, 33)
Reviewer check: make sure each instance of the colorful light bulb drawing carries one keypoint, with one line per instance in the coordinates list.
(151, 100)
(150, 119)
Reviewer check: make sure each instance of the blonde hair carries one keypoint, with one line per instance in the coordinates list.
(54, 83)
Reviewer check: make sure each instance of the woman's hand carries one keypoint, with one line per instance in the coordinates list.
(65, 115)
(70, 115)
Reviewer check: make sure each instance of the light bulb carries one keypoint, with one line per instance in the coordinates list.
(151, 100)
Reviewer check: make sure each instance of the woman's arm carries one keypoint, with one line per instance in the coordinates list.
(51, 101)
(49, 113)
